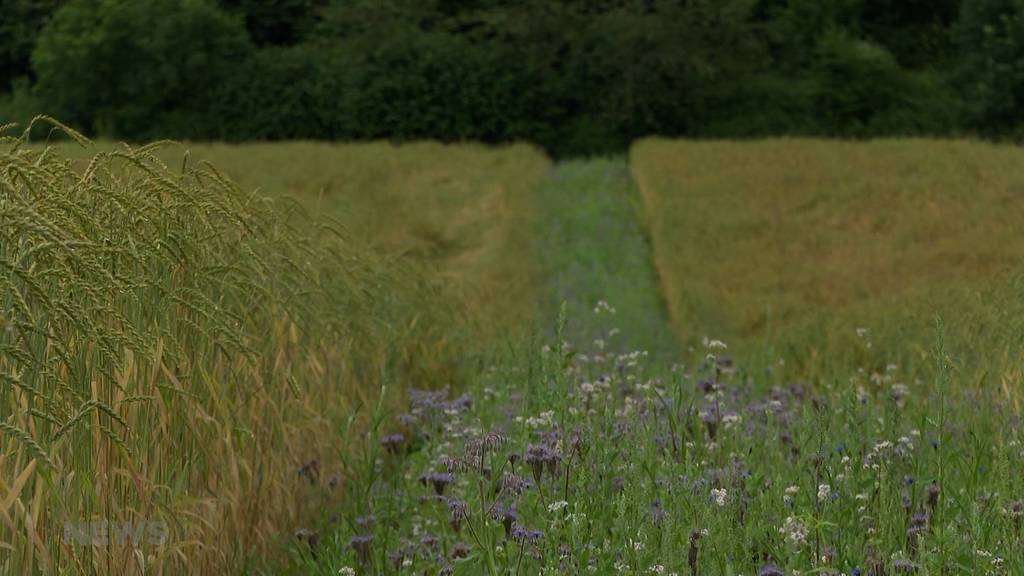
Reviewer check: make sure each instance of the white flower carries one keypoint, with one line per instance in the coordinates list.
(544, 419)
(792, 490)
(556, 506)
(824, 491)
(719, 494)
(794, 531)
(656, 569)
(347, 571)
(730, 420)
(714, 344)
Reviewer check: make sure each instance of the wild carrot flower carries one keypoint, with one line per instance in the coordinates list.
(557, 506)
(824, 491)
(714, 344)
(719, 495)
(794, 530)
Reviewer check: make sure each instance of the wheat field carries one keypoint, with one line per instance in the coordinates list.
(220, 339)
(796, 244)
(176, 346)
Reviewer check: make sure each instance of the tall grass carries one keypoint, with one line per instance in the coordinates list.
(174, 349)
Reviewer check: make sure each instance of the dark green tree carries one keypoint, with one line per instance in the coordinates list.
(136, 69)
(20, 24)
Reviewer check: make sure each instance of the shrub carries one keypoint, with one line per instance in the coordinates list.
(990, 35)
(862, 90)
(136, 69)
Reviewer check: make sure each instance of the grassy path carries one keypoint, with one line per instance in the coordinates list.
(589, 248)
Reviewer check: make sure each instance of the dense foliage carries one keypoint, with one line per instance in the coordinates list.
(578, 76)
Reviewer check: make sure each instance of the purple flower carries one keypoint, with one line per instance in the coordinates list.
(513, 484)
(770, 570)
(365, 521)
(309, 537)
(903, 566)
(508, 517)
(460, 550)
(658, 513)
(518, 533)
(456, 512)
(439, 480)
(477, 447)
(710, 419)
(361, 545)
(310, 470)
(618, 484)
(539, 458)
(932, 496)
(393, 442)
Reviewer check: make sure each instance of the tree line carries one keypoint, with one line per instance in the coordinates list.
(575, 76)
